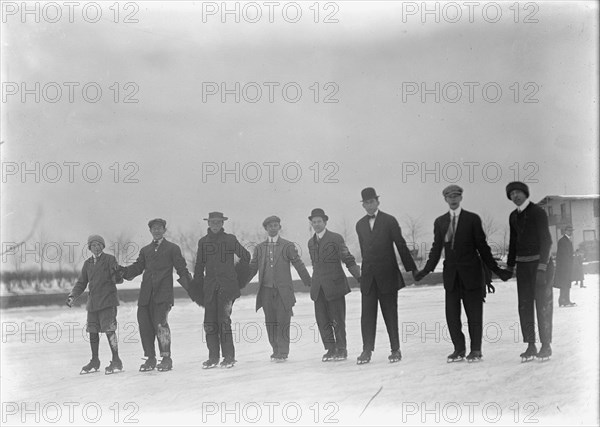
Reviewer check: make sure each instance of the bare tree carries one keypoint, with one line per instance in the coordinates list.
(489, 224)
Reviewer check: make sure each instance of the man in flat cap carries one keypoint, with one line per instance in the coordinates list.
(157, 261)
(460, 234)
(216, 273)
(329, 284)
(529, 251)
(381, 278)
(272, 259)
(564, 267)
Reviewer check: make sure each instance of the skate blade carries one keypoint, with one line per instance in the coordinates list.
(116, 371)
(474, 360)
(163, 369)
(209, 367)
(146, 369)
(527, 359)
(544, 359)
(395, 360)
(362, 362)
(88, 372)
(458, 359)
(340, 359)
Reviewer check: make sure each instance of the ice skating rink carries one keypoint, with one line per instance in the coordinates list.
(43, 350)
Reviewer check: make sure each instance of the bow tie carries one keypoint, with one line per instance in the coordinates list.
(371, 216)
(155, 242)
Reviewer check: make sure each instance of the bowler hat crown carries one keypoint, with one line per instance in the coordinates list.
(368, 194)
(318, 212)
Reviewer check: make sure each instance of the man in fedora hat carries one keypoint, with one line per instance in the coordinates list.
(381, 278)
(216, 273)
(272, 259)
(564, 267)
(460, 234)
(529, 251)
(157, 261)
(329, 284)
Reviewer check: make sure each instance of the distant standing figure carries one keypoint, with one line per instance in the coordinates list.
(578, 259)
(564, 268)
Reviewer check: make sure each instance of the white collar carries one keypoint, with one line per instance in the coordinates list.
(523, 206)
(321, 234)
(272, 239)
(456, 211)
(374, 214)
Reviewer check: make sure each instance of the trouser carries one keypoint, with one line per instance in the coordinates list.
(217, 326)
(368, 319)
(153, 323)
(331, 320)
(277, 320)
(472, 300)
(564, 296)
(531, 294)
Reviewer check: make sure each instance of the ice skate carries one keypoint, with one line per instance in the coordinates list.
(456, 356)
(474, 356)
(329, 356)
(228, 362)
(115, 367)
(166, 364)
(544, 353)
(529, 354)
(340, 354)
(148, 365)
(365, 357)
(396, 356)
(87, 369)
(210, 363)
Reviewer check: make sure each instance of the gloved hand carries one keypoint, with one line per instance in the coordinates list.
(69, 301)
(419, 275)
(504, 275)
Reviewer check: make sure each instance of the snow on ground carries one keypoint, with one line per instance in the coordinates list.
(43, 350)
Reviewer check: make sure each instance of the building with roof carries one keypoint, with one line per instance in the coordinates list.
(582, 212)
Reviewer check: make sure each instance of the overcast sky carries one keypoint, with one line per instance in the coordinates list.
(380, 133)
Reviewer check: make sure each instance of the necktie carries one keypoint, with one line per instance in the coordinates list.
(155, 244)
(453, 226)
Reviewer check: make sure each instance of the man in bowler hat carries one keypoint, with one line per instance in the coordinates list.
(381, 278)
(157, 261)
(329, 284)
(529, 251)
(217, 275)
(460, 234)
(272, 259)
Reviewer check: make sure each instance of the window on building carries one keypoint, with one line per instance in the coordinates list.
(563, 211)
(596, 208)
(550, 211)
(589, 235)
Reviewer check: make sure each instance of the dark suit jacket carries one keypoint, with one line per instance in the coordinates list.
(378, 257)
(215, 265)
(285, 253)
(470, 248)
(157, 267)
(564, 262)
(327, 257)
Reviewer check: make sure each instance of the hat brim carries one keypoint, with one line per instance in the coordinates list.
(223, 218)
(325, 217)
